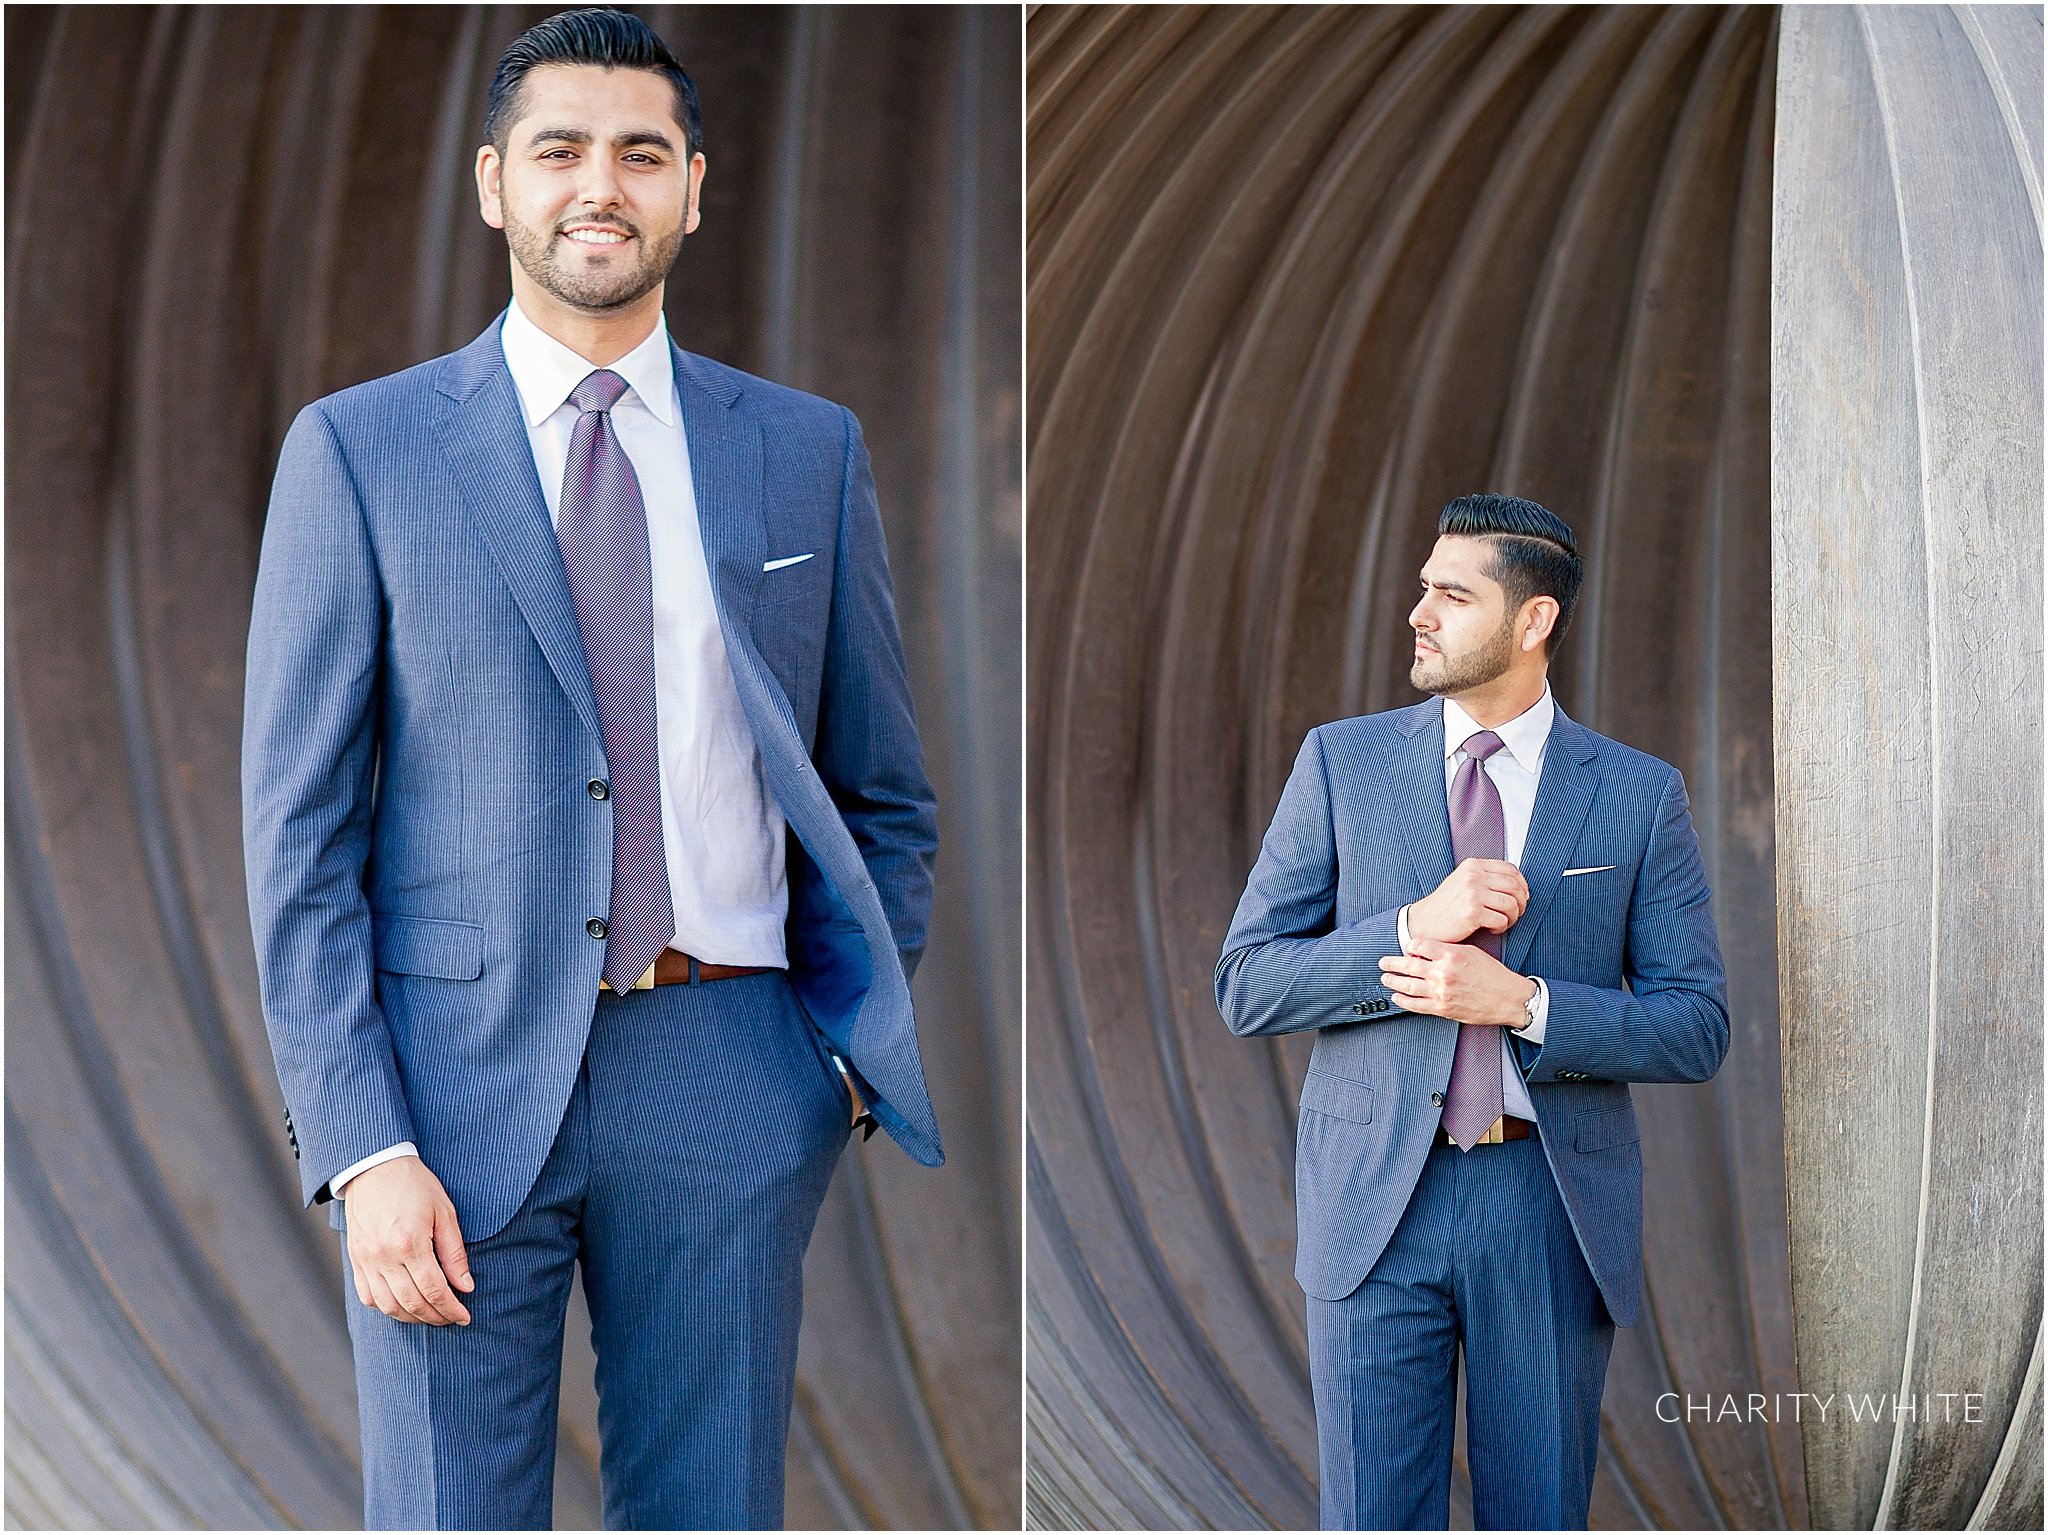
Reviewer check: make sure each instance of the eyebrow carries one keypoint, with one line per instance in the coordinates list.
(1448, 586)
(637, 138)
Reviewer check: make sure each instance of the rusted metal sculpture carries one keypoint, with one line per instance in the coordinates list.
(214, 216)
(1297, 277)
(1906, 597)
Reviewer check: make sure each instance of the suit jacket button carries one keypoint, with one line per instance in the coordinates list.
(596, 927)
(1436, 1100)
(599, 789)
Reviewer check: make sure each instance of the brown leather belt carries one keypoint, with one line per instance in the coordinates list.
(1505, 1128)
(674, 969)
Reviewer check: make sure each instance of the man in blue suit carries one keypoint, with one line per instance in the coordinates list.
(1497, 920)
(588, 839)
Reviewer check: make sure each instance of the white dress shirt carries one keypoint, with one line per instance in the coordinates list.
(722, 830)
(1516, 770)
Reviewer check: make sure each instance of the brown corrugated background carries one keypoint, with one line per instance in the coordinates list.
(213, 216)
(1297, 276)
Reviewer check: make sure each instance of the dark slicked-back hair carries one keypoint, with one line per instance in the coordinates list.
(1534, 553)
(600, 35)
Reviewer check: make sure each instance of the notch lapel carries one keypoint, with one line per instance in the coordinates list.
(484, 435)
(725, 472)
(1563, 799)
(1419, 802)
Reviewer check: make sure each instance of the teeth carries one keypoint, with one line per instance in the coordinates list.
(595, 237)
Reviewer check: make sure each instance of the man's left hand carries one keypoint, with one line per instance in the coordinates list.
(1456, 980)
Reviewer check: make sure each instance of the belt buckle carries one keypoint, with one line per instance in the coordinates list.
(1496, 1133)
(645, 983)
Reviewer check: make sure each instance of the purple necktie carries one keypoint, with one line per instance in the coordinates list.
(1478, 830)
(601, 526)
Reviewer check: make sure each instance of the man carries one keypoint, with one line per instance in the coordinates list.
(1456, 895)
(589, 843)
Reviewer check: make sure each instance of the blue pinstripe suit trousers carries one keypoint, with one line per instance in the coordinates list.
(686, 1176)
(1483, 1259)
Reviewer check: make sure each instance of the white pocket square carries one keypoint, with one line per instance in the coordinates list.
(1598, 868)
(783, 564)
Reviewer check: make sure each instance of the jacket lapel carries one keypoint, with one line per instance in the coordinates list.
(484, 435)
(1564, 796)
(725, 472)
(1419, 802)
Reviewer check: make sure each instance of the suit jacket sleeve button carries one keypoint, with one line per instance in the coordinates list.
(1436, 1100)
(596, 927)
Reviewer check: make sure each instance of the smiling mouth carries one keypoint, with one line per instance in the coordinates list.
(598, 237)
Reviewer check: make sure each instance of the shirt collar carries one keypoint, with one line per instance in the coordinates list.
(1524, 736)
(544, 371)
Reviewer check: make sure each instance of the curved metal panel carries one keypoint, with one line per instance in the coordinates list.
(282, 205)
(1906, 507)
(1296, 277)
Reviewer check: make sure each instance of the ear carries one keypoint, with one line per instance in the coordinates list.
(490, 197)
(1539, 617)
(695, 195)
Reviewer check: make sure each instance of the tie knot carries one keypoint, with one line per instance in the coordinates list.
(1481, 746)
(599, 392)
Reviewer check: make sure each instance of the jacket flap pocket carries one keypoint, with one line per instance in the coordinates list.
(1339, 1097)
(453, 951)
(1598, 1129)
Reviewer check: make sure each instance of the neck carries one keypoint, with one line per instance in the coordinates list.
(599, 339)
(1509, 696)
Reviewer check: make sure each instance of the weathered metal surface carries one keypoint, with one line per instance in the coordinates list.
(1295, 278)
(213, 216)
(1906, 493)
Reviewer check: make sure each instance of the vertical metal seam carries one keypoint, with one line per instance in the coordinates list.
(1889, 1492)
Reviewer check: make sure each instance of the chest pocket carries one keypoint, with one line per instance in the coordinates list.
(800, 575)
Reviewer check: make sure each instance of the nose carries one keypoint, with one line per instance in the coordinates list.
(598, 186)
(1418, 616)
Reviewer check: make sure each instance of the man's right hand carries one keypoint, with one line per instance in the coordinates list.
(404, 1244)
(1480, 894)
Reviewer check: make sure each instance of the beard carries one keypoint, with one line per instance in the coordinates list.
(537, 249)
(1446, 673)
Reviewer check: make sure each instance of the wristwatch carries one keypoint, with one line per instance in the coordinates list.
(1529, 1007)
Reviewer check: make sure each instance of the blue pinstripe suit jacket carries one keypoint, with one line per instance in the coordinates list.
(1630, 954)
(421, 848)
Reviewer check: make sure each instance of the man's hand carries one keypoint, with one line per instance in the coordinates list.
(404, 1244)
(1455, 980)
(1481, 893)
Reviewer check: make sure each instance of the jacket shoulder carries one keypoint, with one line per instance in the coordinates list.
(1372, 733)
(786, 407)
(1627, 761)
(379, 401)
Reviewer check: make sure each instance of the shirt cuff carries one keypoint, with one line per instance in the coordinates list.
(388, 1154)
(1401, 927)
(1539, 1009)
